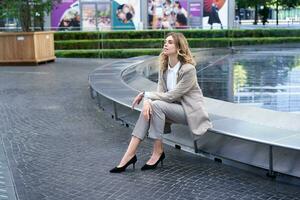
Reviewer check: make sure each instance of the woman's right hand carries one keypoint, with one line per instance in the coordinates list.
(137, 100)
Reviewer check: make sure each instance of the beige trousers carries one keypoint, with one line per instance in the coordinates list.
(161, 111)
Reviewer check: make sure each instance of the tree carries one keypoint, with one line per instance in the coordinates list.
(284, 4)
(257, 3)
(28, 12)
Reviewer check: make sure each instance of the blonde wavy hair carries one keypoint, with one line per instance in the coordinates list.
(184, 53)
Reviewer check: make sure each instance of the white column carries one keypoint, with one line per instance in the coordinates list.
(144, 13)
(231, 13)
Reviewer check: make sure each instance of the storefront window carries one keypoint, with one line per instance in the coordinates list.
(104, 16)
(91, 15)
(96, 15)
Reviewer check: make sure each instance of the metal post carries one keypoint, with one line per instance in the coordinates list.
(115, 110)
(196, 146)
(92, 93)
(271, 173)
(99, 100)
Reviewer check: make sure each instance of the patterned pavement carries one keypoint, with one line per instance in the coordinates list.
(7, 190)
(59, 145)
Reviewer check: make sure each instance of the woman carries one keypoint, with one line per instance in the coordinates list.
(214, 16)
(208, 3)
(178, 99)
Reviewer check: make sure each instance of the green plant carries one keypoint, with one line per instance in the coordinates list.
(106, 53)
(29, 13)
(123, 44)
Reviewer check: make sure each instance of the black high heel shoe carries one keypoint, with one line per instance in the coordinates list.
(122, 169)
(147, 167)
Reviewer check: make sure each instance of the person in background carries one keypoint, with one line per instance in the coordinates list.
(214, 16)
(75, 22)
(64, 24)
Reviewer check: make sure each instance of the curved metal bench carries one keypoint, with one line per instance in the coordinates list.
(229, 133)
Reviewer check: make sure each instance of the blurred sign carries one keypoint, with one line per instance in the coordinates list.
(195, 14)
(66, 16)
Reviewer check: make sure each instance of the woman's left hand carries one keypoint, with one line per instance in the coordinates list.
(147, 110)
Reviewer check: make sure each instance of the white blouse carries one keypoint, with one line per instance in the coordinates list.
(171, 78)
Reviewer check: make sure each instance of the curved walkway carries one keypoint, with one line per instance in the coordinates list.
(60, 146)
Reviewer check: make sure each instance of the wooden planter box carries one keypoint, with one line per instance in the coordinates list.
(23, 47)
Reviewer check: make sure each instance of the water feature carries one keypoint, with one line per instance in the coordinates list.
(265, 79)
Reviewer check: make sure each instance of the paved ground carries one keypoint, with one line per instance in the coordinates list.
(60, 146)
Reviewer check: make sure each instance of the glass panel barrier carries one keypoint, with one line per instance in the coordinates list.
(262, 69)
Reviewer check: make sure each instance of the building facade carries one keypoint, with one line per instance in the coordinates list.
(285, 15)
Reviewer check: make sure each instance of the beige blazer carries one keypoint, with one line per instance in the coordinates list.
(188, 92)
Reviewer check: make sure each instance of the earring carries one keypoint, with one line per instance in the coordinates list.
(178, 52)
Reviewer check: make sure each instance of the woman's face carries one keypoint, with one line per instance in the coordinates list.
(169, 46)
(208, 3)
(126, 8)
(219, 3)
